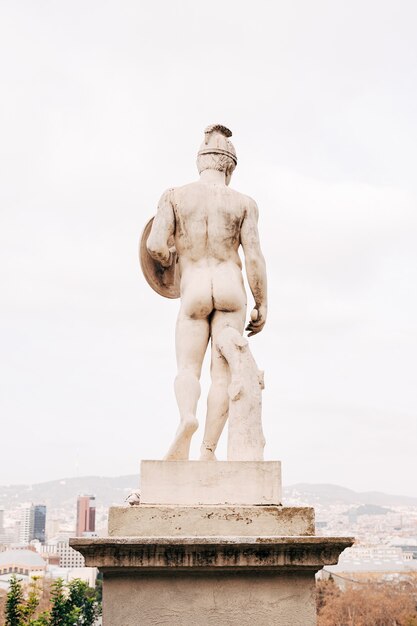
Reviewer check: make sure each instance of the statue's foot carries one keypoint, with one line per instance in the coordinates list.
(207, 455)
(180, 447)
(207, 452)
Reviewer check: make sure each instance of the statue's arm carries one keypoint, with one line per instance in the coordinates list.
(162, 228)
(255, 267)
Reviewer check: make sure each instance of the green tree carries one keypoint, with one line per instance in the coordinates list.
(83, 598)
(41, 620)
(14, 603)
(73, 605)
(99, 588)
(32, 602)
(60, 611)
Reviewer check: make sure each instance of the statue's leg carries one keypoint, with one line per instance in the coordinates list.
(218, 398)
(191, 339)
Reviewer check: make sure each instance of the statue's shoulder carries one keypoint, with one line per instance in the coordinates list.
(183, 193)
(173, 195)
(166, 197)
(188, 187)
(246, 201)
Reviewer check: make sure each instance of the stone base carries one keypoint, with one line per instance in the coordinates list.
(223, 599)
(210, 482)
(186, 581)
(149, 520)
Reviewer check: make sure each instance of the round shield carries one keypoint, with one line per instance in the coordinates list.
(163, 280)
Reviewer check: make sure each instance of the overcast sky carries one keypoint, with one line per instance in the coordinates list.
(103, 106)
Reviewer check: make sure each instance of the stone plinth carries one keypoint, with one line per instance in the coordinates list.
(186, 581)
(211, 482)
(207, 521)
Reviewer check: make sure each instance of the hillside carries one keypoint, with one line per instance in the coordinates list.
(114, 490)
(335, 494)
(63, 493)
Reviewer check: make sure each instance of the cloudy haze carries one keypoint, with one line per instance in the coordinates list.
(103, 107)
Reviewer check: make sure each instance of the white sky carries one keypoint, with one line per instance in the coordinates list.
(103, 106)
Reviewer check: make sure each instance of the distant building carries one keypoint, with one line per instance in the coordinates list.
(68, 557)
(32, 523)
(21, 562)
(39, 522)
(88, 574)
(54, 527)
(370, 563)
(1, 521)
(26, 524)
(86, 515)
(407, 544)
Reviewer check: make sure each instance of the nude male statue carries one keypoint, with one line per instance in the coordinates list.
(209, 221)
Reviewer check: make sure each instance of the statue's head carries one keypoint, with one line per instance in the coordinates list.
(217, 151)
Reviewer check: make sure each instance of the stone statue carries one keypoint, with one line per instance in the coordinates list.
(190, 249)
(205, 517)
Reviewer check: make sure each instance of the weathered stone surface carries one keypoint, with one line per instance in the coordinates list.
(207, 521)
(208, 482)
(232, 581)
(205, 599)
(211, 553)
(246, 441)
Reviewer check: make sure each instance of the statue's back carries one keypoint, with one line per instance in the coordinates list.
(208, 218)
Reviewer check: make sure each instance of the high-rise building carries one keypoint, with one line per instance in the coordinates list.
(32, 523)
(86, 515)
(26, 524)
(39, 522)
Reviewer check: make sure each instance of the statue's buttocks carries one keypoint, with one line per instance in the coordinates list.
(211, 286)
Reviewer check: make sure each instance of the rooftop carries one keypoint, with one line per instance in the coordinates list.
(21, 557)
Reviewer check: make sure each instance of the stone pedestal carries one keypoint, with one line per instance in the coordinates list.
(234, 560)
(210, 482)
(210, 521)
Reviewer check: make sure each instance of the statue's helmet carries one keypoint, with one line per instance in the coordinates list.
(216, 141)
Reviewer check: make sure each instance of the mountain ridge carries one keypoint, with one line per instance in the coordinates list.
(115, 489)
(331, 493)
